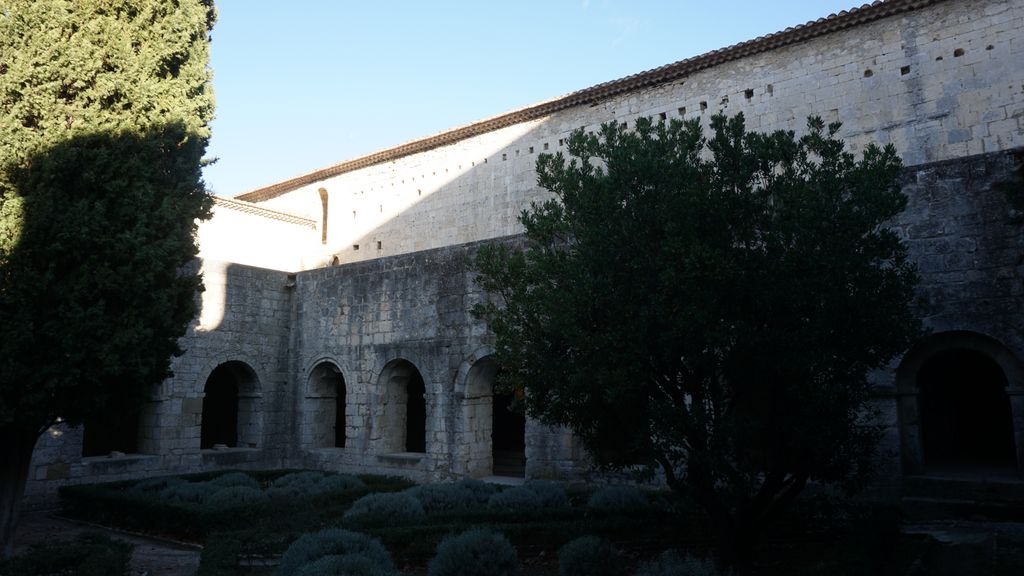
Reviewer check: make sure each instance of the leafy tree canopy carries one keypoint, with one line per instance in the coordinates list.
(708, 306)
(104, 112)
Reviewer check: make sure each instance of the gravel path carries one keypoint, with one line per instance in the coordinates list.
(150, 557)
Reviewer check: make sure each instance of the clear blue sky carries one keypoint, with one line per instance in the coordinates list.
(304, 84)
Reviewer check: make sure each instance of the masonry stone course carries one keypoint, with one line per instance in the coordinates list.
(942, 81)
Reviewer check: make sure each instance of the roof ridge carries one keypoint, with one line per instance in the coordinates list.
(825, 25)
(250, 208)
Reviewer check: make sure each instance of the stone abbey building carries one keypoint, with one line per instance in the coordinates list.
(335, 330)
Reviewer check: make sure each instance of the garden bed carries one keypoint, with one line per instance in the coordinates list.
(246, 521)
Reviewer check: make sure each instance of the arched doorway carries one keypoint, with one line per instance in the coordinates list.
(325, 407)
(404, 407)
(508, 440)
(230, 412)
(960, 405)
(493, 429)
(966, 419)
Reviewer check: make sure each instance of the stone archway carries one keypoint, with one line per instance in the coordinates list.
(404, 408)
(965, 411)
(961, 406)
(494, 434)
(325, 407)
(230, 414)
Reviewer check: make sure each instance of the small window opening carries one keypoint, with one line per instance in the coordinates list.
(355, 246)
(770, 89)
(545, 145)
(703, 106)
(868, 73)
(958, 52)
(904, 70)
(748, 93)
(682, 110)
(379, 245)
(663, 116)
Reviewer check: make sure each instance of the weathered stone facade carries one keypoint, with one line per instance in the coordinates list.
(378, 300)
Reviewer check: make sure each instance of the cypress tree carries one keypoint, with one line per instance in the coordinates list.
(104, 119)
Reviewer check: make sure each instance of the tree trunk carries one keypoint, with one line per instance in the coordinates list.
(16, 446)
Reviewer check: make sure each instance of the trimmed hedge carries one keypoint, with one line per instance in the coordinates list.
(452, 497)
(590, 556)
(672, 563)
(385, 507)
(551, 494)
(515, 499)
(233, 497)
(232, 479)
(476, 552)
(618, 498)
(311, 547)
(346, 565)
(88, 555)
(179, 505)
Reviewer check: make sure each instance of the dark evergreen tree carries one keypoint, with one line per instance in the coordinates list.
(709, 306)
(104, 112)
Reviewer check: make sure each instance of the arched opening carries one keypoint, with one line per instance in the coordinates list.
(229, 407)
(508, 441)
(494, 432)
(416, 415)
(325, 407)
(404, 405)
(965, 414)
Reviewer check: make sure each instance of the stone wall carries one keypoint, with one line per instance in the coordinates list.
(942, 82)
(246, 234)
(362, 320)
(968, 243)
(365, 319)
(245, 317)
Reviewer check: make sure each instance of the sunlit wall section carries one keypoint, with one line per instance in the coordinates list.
(244, 233)
(940, 82)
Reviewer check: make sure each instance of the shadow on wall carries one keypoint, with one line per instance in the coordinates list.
(240, 343)
(446, 196)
